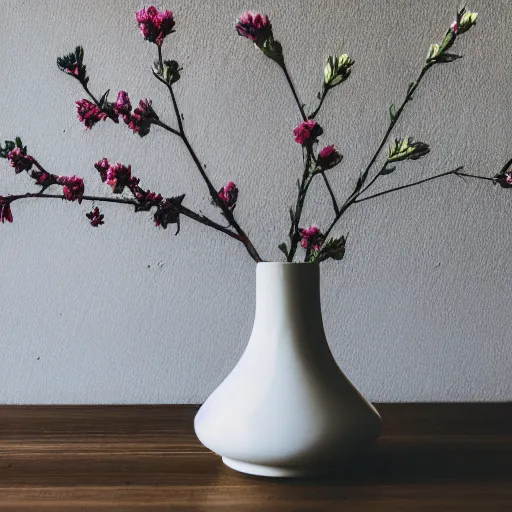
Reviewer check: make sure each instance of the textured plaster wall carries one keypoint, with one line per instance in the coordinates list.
(418, 310)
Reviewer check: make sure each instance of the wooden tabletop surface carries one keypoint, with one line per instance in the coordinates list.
(431, 458)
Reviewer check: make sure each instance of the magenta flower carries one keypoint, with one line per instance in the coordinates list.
(73, 187)
(254, 26)
(19, 160)
(142, 118)
(89, 113)
(508, 178)
(307, 132)
(155, 25)
(95, 217)
(312, 238)
(455, 27)
(229, 194)
(102, 167)
(328, 157)
(119, 176)
(326, 152)
(122, 106)
(5, 210)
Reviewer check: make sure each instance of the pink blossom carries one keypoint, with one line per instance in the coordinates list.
(19, 160)
(155, 25)
(328, 157)
(312, 238)
(142, 117)
(102, 167)
(119, 176)
(122, 106)
(73, 187)
(254, 26)
(5, 210)
(229, 194)
(95, 217)
(326, 152)
(307, 131)
(455, 27)
(89, 113)
(508, 178)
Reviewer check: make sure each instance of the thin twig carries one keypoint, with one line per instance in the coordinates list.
(331, 193)
(228, 213)
(290, 83)
(453, 171)
(183, 210)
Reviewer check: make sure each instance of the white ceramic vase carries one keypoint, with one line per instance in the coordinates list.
(287, 410)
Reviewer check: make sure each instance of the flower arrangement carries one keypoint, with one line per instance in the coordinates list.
(317, 244)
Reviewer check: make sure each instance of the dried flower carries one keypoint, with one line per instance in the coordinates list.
(43, 178)
(5, 210)
(328, 157)
(168, 212)
(155, 25)
(20, 160)
(254, 26)
(147, 198)
(142, 118)
(257, 28)
(102, 167)
(122, 106)
(73, 65)
(89, 113)
(504, 177)
(95, 217)
(312, 238)
(73, 187)
(229, 194)
(307, 132)
(119, 176)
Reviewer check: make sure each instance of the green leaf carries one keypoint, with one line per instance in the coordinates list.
(171, 71)
(9, 145)
(337, 69)
(333, 248)
(103, 99)
(283, 248)
(406, 149)
(447, 57)
(467, 20)
(272, 49)
(387, 170)
(448, 40)
(392, 112)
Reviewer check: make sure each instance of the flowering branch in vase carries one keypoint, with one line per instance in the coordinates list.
(318, 245)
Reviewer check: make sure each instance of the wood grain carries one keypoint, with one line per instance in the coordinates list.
(432, 457)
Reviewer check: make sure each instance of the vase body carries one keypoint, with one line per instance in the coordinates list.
(286, 409)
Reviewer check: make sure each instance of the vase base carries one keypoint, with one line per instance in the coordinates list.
(269, 471)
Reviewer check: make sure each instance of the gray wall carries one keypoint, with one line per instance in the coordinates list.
(418, 310)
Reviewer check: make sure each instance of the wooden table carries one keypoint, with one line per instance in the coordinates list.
(133, 458)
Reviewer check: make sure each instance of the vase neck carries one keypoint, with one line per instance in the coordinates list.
(288, 292)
